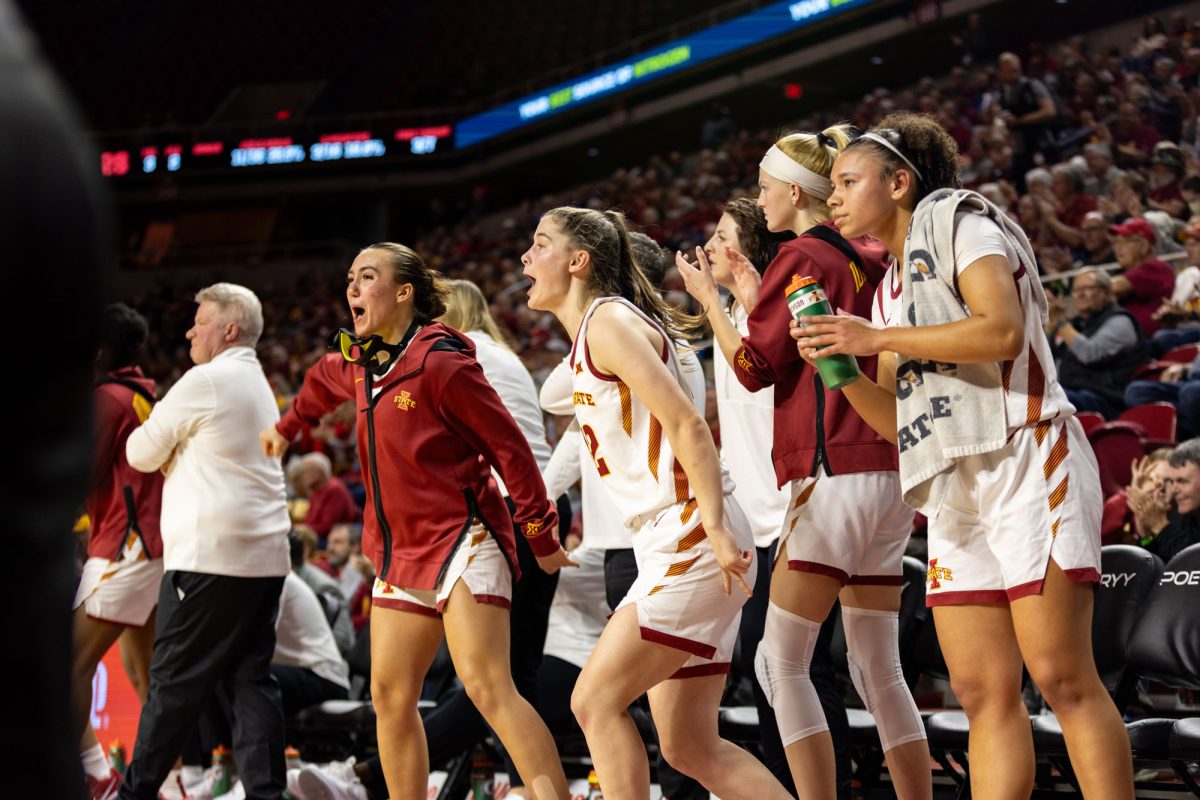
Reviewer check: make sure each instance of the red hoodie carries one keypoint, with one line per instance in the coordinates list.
(116, 487)
(814, 428)
(426, 443)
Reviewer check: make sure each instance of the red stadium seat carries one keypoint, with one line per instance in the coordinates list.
(1117, 445)
(1184, 354)
(1090, 420)
(1158, 421)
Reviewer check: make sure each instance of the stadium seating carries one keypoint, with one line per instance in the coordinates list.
(1116, 445)
(1090, 420)
(1157, 421)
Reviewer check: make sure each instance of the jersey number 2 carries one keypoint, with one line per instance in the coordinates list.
(593, 444)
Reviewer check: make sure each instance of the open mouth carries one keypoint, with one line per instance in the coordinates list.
(358, 312)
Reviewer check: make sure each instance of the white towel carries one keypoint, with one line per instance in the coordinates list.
(945, 412)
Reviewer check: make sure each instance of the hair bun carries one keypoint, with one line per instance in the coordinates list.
(826, 141)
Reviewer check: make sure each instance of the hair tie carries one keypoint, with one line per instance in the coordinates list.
(826, 141)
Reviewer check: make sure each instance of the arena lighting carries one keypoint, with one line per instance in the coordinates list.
(759, 26)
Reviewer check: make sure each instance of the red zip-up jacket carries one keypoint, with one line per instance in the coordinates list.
(814, 427)
(116, 487)
(426, 443)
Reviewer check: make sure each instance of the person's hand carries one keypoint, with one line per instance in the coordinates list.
(1146, 498)
(1174, 373)
(272, 442)
(698, 278)
(572, 541)
(746, 279)
(734, 563)
(555, 561)
(1168, 310)
(1056, 312)
(837, 335)
(363, 565)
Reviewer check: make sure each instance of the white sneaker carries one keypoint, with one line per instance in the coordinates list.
(335, 781)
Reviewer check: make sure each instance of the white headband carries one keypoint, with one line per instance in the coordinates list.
(874, 137)
(779, 165)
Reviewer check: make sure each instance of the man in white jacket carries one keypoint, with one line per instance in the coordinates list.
(225, 553)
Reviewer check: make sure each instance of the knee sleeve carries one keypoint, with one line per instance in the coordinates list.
(878, 677)
(781, 665)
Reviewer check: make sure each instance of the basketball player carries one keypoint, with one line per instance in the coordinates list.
(847, 526)
(673, 634)
(990, 451)
(118, 590)
(430, 429)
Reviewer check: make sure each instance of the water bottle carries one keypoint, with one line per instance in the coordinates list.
(116, 756)
(222, 762)
(806, 298)
(593, 790)
(481, 777)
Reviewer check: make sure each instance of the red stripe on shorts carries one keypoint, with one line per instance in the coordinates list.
(403, 605)
(819, 569)
(701, 671)
(679, 643)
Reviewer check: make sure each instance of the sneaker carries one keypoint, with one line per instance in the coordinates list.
(334, 781)
(104, 788)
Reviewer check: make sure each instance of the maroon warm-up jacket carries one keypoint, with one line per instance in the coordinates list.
(815, 429)
(427, 442)
(123, 501)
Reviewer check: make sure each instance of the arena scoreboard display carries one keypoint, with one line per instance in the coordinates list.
(257, 152)
(158, 154)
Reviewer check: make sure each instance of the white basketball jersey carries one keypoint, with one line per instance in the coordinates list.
(626, 443)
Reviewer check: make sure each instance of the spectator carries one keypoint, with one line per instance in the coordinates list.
(1065, 210)
(1030, 110)
(1181, 527)
(1166, 175)
(1097, 351)
(343, 559)
(1179, 385)
(1101, 172)
(1133, 138)
(1144, 282)
(335, 606)
(307, 662)
(329, 500)
(224, 530)
(1096, 248)
(1142, 506)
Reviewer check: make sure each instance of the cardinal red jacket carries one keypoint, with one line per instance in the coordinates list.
(123, 502)
(815, 429)
(427, 441)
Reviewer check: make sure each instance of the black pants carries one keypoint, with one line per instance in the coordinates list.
(302, 688)
(620, 571)
(754, 618)
(214, 633)
(455, 726)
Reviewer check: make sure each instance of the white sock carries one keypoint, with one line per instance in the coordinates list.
(95, 763)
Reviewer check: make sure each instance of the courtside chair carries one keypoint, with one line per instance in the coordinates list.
(1129, 577)
(1166, 648)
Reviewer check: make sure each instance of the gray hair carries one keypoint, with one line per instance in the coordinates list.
(1069, 172)
(1186, 453)
(1102, 276)
(1099, 149)
(236, 304)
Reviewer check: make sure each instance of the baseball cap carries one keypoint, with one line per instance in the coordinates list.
(1134, 226)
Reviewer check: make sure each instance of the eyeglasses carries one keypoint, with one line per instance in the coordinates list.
(1078, 290)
